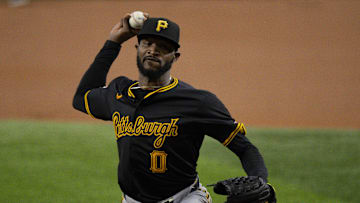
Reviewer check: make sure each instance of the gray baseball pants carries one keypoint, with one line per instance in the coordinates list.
(187, 195)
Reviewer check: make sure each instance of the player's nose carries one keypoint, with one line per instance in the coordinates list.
(153, 49)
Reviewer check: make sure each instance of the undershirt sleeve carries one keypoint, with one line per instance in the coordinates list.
(250, 157)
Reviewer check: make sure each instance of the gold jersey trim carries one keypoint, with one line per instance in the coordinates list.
(163, 89)
(87, 104)
(129, 90)
(239, 128)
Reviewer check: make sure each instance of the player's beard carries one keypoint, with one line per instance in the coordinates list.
(152, 74)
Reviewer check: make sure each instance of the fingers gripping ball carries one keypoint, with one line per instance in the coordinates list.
(137, 19)
(248, 189)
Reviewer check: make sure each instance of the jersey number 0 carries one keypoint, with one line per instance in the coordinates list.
(158, 161)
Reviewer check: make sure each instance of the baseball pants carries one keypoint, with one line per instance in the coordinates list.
(187, 195)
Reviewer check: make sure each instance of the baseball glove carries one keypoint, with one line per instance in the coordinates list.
(248, 189)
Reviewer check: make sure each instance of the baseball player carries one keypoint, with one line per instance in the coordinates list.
(159, 121)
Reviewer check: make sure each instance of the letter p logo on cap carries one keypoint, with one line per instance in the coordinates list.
(162, 24)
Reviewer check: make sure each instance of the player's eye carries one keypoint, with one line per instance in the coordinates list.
(164, 49)
(145, 43)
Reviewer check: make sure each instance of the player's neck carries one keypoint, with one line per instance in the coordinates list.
(149, 83)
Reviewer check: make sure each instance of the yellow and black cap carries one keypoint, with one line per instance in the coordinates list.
(161, 27)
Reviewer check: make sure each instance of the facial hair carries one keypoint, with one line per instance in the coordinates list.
(152, 74)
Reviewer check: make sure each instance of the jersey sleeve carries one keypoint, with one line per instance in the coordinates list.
(217, 121)
(96, 105)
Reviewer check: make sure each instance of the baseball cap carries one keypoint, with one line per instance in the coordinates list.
(161, 27)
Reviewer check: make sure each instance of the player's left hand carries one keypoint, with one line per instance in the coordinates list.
(248, 189)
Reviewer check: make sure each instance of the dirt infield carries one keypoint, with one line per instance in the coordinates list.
(273, 63)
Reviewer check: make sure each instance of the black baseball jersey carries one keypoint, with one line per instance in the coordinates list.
(159, 132)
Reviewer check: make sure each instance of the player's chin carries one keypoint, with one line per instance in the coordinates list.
(152, 65)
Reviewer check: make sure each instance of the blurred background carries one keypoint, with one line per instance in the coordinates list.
(273, 63)
(287, 69)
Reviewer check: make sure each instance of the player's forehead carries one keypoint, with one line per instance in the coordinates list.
(158, 40)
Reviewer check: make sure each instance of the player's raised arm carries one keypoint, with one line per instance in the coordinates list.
(95, 76)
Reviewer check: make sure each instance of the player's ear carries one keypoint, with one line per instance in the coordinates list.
(136, 46)
(176, 55)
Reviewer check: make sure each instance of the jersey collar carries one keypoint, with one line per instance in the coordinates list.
(162, 89)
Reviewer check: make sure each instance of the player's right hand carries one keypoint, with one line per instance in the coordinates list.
(122, 31)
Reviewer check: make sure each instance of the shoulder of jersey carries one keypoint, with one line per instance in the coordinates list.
(120, 83)
(190, 91)
(184, 85)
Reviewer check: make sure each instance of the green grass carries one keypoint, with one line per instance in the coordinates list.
(64, 162)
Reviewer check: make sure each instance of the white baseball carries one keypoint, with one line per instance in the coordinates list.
(137, 19)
